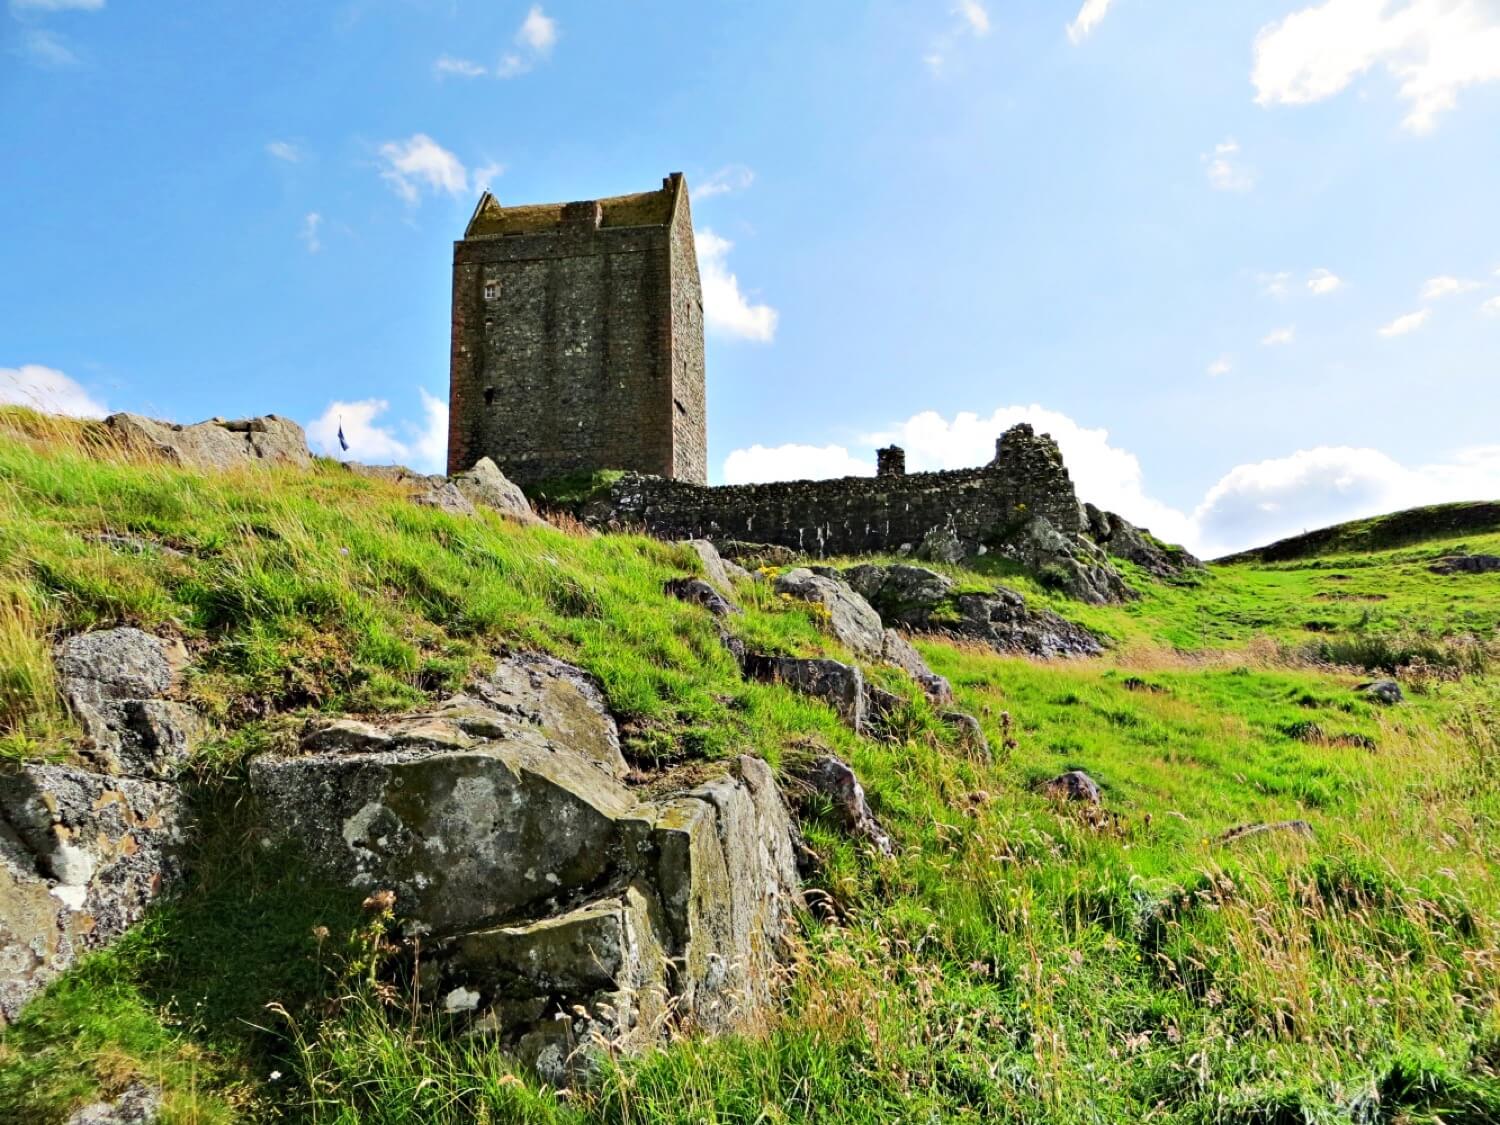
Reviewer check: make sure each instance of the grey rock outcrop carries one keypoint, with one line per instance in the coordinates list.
(1070, 563)
(540, 885)
(850, 617)
(1467, 564)
(720, 572)
(1387, 692)
(1122, 539)
(137, 1104)
(486, 485)
(833, 779)
(942, 545)
(841, 686)
(81, 857)
(697, 591)
(1073, 786)
(116, 682)
(216, 444)
(924, 600)
(1296, 827)
(899, 652)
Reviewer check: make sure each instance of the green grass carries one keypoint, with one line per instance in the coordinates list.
(1015, 962)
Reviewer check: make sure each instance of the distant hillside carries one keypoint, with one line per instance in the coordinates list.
(1415, 525)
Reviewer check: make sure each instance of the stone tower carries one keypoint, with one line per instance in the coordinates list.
(578, 338)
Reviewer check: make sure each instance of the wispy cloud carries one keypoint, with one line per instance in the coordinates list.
(971, 19)
(1439, 287)
(45, 48)
(973, 13)
(420, 162)
(56, 5)
(1225, 172)
(1221, 366)
(284, 150)
(726, 309)
(1090, 16)
(48, 390)
(1275, 284)
(731, 178)
(1280, 337)
(484, 177)
(1433, 48)
(1321, 282)
(311, 223)
(1491, 307)
(1403, 325)
(448, 66)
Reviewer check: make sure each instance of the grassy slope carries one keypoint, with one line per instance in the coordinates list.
(1014, 963)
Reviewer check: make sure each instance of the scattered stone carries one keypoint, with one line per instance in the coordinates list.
(1073, 786)
(81, 857)
(1467, 564)
(907, 595)
(833, 779)
(395, 474)
(850, 618)
(699, 592)
(485, 484)
(897, 651)
(114, 681)
(942, 545)
(216, 444)
(445, 497)
(1135, 683)
(842, 686)
(138, 1104)
(1300, 827)
(1387, 692)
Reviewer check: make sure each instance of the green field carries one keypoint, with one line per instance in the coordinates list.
(1017, 960)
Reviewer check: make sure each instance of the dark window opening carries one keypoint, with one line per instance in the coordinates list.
(680, 408)
(489, 396)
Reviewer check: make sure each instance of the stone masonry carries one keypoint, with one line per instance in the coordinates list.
(578, 338)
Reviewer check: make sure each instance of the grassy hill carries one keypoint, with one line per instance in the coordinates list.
(1443, 523)
(1016, 961)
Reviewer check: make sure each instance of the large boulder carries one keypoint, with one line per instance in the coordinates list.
(556, 908)
(117, 683)
(1467, 564)
(445, 497)
(1068, 562)
(719, 571)
(833, 780)
(81, 857)
(216, 444)
(486, 485)
(841, 686)
(849, 617)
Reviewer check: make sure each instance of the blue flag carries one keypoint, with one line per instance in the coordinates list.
(344, 445)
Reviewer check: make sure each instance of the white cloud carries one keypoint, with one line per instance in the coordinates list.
(1491, 307)
(459, 68)
(1089, 17)
(1225, 172)
(284, 150)
(57, 5)
(793, 462)
(1439, 287)
(725, 308)
(1221, 366)
(421, 161)
(538, 32)
(1433, 48)
(935, 62)
(309, 235)
(973, 13)
(1321, 282)
(48, 390)
(47, 49)
(1250, 505)
(1405, 324)
(1280, 336)
(730, 178)
(420, 445)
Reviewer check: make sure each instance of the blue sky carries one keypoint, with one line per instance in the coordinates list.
(1240, 258)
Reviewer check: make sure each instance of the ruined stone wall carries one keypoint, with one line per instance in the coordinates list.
(852, 515)
(689, 395)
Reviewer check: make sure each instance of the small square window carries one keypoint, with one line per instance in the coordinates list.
(491, 290)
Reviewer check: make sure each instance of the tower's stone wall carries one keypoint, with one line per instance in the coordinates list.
(577, 339)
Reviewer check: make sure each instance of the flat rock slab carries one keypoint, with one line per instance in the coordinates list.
(564, 703)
